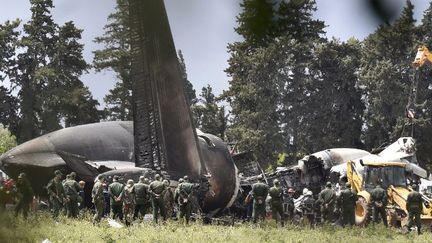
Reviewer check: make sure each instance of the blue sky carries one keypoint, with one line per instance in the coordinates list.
(202, 29)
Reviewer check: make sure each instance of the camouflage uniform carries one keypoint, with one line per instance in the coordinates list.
(128, 198)
(115, 189)
(71, 188)
(347, 203)
(276, 195)
(259, 194)
(141, 198)
(379, 202)
(98, 199)
(185, 194)
(2, 196)
(56, 193)
(25, 195)
(157, 190)
(307, 207)
(414, 206)
(327, 199)
(168, 199)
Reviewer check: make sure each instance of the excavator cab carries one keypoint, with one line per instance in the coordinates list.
(386, 175)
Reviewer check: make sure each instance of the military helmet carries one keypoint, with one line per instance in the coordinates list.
(22, 175)
(166, 182)
(260, 177)
(180, 180)
(146, 181)
(157, 177)
(305, 191)
(116, 177)
(186, 178)
(276, 181)
(58, 172)
(141, 178)
(328, 184)
(73, 174)
(130, 182)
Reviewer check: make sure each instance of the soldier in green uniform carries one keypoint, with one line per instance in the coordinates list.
(327, 199)
(115, 189)
(177, 190)
(72, 189)
(414, 206)
(128, 198)
(56, 193)
(141, 198)
(184, 200)
(347, 203)
(168, 199)
(98, 199)
(25, 195)
(276, 195)
(379, 203)
(259, 195)
(2, 195)
(157, 191)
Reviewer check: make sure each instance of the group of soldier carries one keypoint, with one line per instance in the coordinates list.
(132, 201)
(328, 204)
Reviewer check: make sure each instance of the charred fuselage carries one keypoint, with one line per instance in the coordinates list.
(108, 147)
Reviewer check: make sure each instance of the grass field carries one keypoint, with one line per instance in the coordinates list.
(41, 226)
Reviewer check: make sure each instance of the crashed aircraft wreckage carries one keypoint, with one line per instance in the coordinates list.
(161, 138)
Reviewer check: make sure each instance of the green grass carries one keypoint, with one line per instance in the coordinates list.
(41, 226)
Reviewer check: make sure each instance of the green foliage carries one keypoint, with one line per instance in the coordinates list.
(208, 116)
(41, 226)
(116, 56)
(44, 63)
(7, 140)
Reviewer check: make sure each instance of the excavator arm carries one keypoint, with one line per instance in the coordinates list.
(423, 56)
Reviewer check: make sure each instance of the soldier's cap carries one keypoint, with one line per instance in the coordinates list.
(180, 180)
(130, 183)
(185, 178)
(58, 172)
(115, 177)
(166, 182)
(275, 181)
(348, 184)
(21, 175)
(157, 176)
(69, 176)
(328, 184)
(414, 186)
(73, 174)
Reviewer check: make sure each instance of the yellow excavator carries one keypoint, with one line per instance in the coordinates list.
(391, 175)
